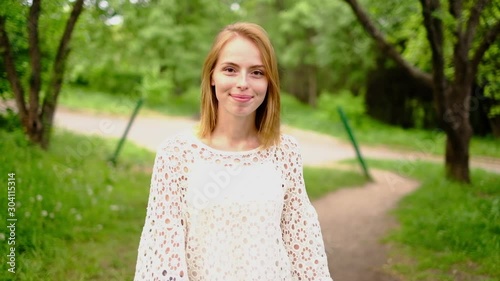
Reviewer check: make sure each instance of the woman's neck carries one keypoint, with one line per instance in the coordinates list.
(235, 134)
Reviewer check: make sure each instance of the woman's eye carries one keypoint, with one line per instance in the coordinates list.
(258, 73)
(229, 70)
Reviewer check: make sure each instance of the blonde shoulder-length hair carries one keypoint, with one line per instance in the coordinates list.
(267, 120)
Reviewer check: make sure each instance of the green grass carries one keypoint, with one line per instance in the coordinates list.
(446, 226)
(80, 218)
(324, 119)
(320, 181)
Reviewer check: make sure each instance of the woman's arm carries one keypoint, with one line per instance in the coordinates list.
(161, 254)
(299, 222)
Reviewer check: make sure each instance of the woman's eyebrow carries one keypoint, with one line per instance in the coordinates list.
(229, 63)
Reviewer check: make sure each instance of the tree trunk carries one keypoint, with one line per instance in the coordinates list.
(34, 129)
(457, 153)
(458, 130)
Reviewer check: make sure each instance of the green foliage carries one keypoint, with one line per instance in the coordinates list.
(446, 225)
(70, 197)
(9, 120)
(15, 25)
(489, 78)
(53, 17)
(161, 44)
(112, 81)
(186, 104)
(323, 34)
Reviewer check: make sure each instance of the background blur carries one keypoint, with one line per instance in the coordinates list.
(79, 217)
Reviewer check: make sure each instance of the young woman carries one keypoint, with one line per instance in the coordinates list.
(228, 201)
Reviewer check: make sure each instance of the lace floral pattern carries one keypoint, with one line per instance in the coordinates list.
(245, 216)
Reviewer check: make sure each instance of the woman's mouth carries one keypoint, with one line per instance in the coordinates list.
(241, 98)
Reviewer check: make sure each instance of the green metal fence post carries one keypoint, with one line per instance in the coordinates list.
(354, 143)
(122, 140)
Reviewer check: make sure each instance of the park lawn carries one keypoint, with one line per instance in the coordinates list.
(324, 119)
(450, 230)
(80, 218)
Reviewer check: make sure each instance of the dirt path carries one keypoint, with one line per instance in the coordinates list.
(353, 220)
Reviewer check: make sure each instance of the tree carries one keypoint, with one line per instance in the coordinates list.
(451, 94)
(37, 117)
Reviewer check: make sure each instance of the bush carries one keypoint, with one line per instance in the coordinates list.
(116, 83)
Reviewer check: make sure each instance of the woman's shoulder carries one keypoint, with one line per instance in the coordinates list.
(177, 143)
(288, 142)
(289, 146)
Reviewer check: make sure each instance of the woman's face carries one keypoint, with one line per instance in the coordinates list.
(239, 79)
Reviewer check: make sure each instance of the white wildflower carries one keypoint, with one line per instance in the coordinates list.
(39, 197)
(44, 213)
(114, 207)
(78, 217)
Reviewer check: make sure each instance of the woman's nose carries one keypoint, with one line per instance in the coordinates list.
(242, 81)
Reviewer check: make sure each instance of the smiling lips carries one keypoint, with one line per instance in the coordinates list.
(241, 98)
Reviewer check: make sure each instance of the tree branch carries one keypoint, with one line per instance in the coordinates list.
(434, 28)
(10, 67)
(35, 57)
(385, 46)
(57, 75)
(473, 21)
(488, 40)
(455, 8)
(456, 11)
(460, 48)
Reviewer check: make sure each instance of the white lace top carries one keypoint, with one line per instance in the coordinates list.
(229, 216)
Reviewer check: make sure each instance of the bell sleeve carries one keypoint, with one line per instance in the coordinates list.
(299, 223)
(161, 253)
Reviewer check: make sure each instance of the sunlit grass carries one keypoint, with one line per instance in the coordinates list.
(69, 199)
(320, 181)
